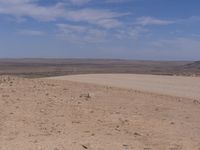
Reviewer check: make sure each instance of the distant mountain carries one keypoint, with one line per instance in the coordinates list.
(194, 65)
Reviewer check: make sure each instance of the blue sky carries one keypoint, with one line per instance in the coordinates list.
(127, 29)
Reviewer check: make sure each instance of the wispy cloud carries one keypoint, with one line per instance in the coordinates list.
(27, 8)
(117, 1)
(80, 34)
(144, 21)
(91, 24)
(31, 32)
(91, 34)
(192, 19)
(109, 23)
(87, 24)
(133, 33)
(105, 18)
(79, 2)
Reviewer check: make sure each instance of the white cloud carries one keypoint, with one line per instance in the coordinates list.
(15, 1)
(26, 8)
(81, 34)
(71, 28)
(152, 21)
(94, 16)
(91, 24)
(117, 1)
(133, 33)
(144, 21)
(79, 2)
(136, 32)
(31, 32)
(109, 23)
(91, 34)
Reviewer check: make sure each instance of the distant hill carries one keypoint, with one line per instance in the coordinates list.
(194, 65)
(34, 68)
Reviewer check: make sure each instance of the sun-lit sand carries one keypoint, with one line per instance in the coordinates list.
(46, 114)
(169, 85)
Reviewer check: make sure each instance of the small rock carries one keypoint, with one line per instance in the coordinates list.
(172, 123)
(137, 134)
(196, 102)
(77, 122)
(35, 141)
(85, 147)
(87, 95)
(125, 145)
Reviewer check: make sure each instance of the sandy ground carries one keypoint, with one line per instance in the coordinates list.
(42, 114)
(170, 85)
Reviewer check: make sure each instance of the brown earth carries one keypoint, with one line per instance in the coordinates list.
(42, 114)
(34, 68)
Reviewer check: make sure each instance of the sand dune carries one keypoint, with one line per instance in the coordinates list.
(170, 85)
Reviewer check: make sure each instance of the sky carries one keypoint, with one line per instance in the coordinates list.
(125, 29)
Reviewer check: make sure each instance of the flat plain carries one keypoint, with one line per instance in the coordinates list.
(98, 111)
(35, 68)
(170, 85)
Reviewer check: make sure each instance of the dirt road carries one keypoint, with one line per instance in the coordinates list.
(170, 85)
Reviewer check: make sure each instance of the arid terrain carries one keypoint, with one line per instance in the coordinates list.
(57, 114)
(42, 110)
(99, 74)
(34, 68)
(170, 85)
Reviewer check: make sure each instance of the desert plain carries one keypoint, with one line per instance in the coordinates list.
(100, 112)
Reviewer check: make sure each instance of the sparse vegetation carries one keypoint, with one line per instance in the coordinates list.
(36, 68)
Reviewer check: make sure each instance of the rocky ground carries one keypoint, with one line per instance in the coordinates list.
(42, 114)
